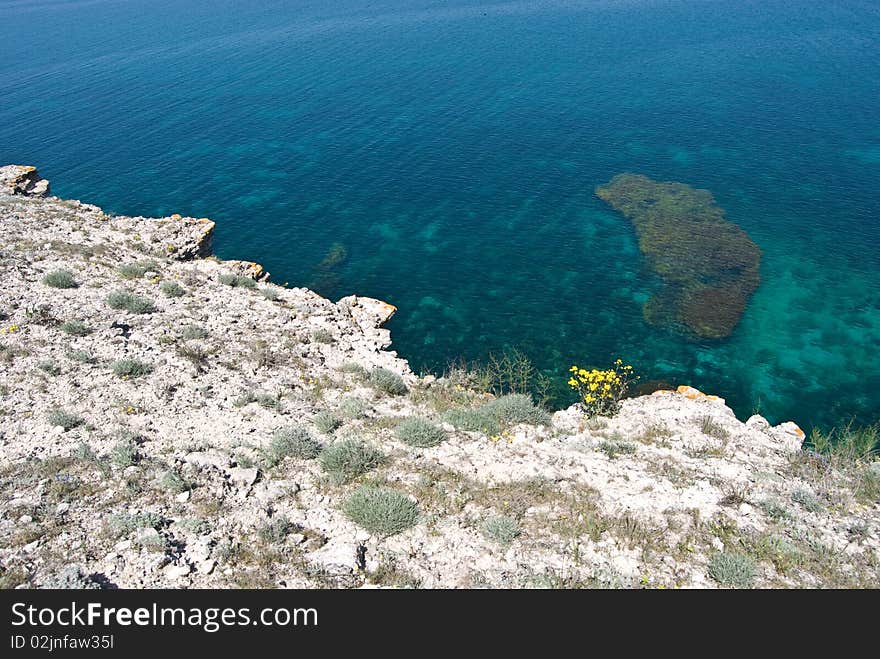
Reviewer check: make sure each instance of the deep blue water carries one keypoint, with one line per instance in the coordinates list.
(453, 149)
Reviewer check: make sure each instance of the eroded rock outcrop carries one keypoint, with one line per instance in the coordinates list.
(23, 180)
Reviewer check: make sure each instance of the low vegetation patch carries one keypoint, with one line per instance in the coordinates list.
(388, 382)
(732, 569)
(123, 300)
(349, 458)
(382, 511)
(131, 368)
(293, 442)
(172, 289)
(66, 420)
(418, 432)
(137, 269)
(60, 279)
(75, 328)
(502, 529)
(516, 408)
(236, 281)
(327, 421)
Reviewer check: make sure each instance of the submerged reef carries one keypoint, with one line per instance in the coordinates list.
(710, 267)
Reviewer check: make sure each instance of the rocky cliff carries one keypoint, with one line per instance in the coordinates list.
(169, 419)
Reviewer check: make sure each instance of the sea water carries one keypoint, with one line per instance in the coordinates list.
(443, 156)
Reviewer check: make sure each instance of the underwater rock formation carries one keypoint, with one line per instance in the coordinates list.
(710, 267)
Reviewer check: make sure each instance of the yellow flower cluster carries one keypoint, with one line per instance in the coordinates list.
(12, 329)
(601, 391)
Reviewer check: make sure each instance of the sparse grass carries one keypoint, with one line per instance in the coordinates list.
(275, 531)
(75, 328)
(388, 382)
(50, 367)
(81, 356)
(131, 368)
(473, 420)
(294, 442)
(732, 569)
(849, 444)
(354, 369)
(195, 354)
(123, 300)
(137, 269)
(614, 448)
(349, 458)
(419, 432)
(808, 500)
(654, 432)
(265, 400)
(124, 454)
(174, 482)
(322, 336)
(236, 281)
(516, 408)
(710, 427)
(381, 510)
(66, 420)
(124, 523)
(60, 279)
(171, 288)
(774, 509)
(502, 529)
(388, 574)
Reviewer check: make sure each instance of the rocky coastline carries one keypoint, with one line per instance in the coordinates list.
(170, 419)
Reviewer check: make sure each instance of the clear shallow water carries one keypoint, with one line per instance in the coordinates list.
(453, 148)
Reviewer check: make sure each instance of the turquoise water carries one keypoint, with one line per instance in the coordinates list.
(453, 148)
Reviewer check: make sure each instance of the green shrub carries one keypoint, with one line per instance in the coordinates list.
(349, 458)
(66, 420)
(389, 382)
(294, 442)
(354, 369)
(237, 281)
(137, 269)
(381, 510)
(269, 293)
(322, 336)
(502, 529)
(124, 454)
(353, 407)
(193, 332)
(75, 328)
(131, 368)
(172, 289)
(81, 356)
(130, 302)
(808, 500)
(516, 408)
(173, 482)
(613, 449)
(326, 421)
(472, 420)
(50, 367)
(731, 569)
(276, 531)
(60, 279)
(419, 432)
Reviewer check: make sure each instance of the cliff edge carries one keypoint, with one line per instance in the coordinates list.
(169, 419)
